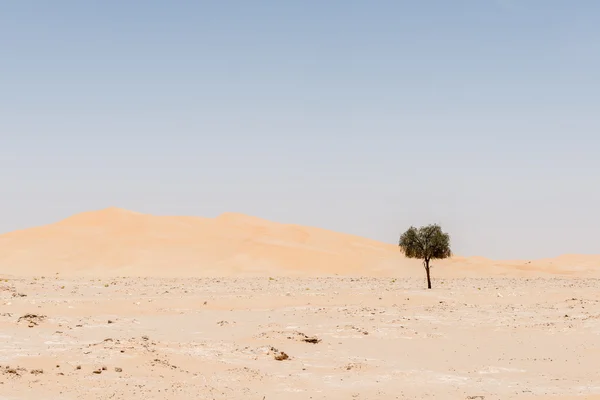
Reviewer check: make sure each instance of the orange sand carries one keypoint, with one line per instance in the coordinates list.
(116, 242)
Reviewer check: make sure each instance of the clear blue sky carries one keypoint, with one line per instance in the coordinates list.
(357, 116)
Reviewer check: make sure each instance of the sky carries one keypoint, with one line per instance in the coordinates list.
(364, 117)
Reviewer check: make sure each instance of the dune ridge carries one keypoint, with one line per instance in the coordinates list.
(119, 242)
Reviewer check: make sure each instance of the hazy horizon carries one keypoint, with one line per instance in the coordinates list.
(357, 117)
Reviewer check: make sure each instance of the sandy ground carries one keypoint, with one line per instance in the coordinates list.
(346, 338)
(131, 306)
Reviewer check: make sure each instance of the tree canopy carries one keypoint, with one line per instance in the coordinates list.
(427, 243)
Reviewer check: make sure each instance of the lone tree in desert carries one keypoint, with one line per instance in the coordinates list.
(427, 243)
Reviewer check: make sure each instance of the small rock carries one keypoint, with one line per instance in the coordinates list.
(117, 369)
(32, 319)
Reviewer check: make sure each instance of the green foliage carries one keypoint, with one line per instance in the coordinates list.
(426, 243)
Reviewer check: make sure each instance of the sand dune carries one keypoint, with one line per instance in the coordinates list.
(114, 241)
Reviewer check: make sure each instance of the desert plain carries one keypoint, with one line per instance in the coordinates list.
(114, 304)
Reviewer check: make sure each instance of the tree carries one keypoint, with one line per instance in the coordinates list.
(426, 243)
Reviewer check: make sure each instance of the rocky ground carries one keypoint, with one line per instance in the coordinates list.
(291, 338)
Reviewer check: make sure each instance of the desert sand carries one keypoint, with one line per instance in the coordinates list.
(117, 242)
(114, 304)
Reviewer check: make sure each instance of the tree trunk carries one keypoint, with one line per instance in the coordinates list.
(428, 276)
